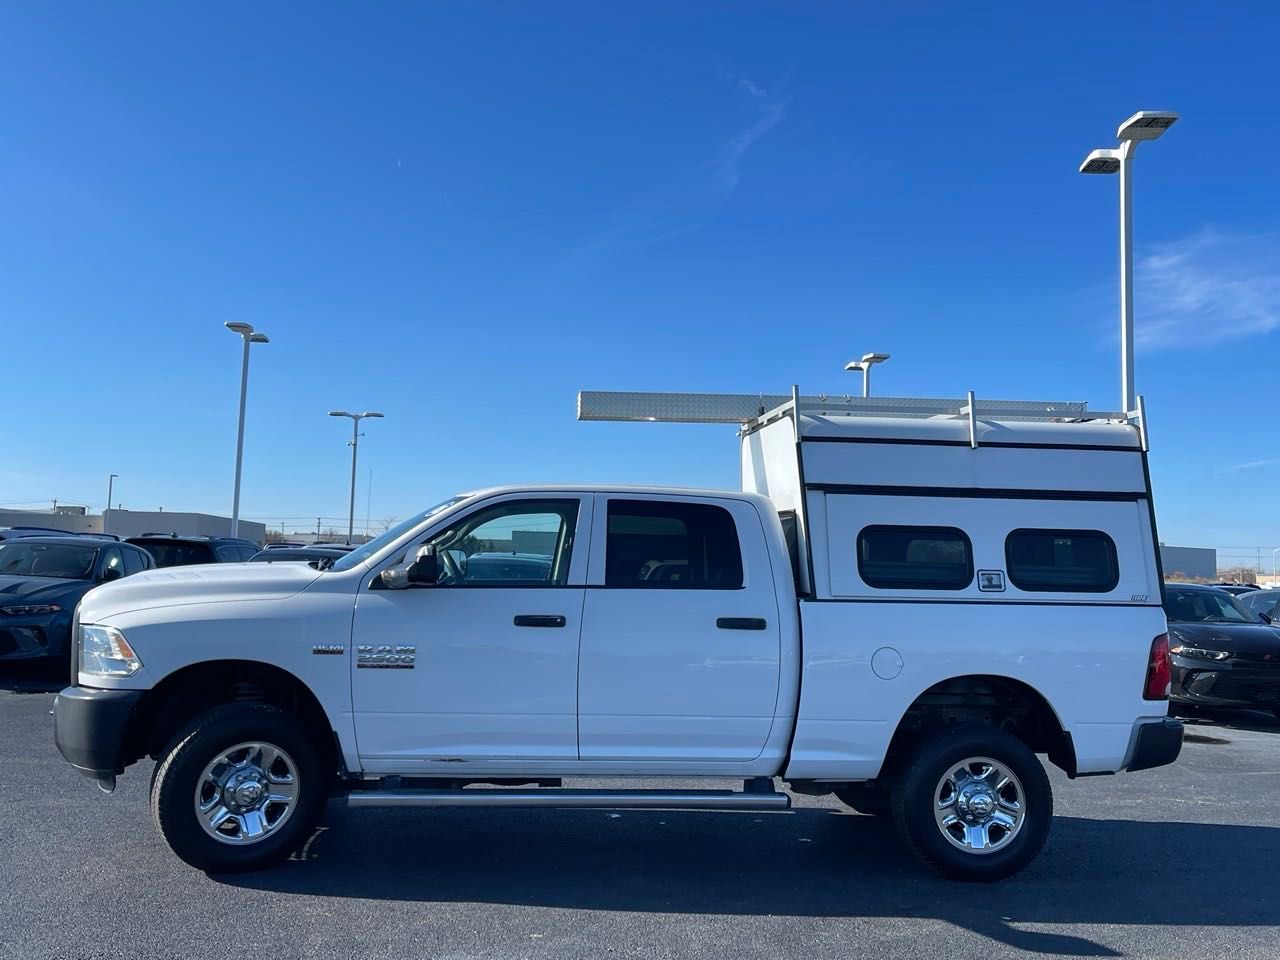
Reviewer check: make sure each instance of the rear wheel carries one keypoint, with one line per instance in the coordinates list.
(974, 803)
(241, 787)
(869, 798)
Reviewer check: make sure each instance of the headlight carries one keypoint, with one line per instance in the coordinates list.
(104, 652)
(30, 609)
(1198, 653)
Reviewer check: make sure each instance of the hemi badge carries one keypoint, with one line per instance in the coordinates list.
(328, 649)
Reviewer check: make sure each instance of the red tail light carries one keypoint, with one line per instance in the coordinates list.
(1158, 670)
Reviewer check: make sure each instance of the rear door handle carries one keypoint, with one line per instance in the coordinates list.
(741, 623)
(538, 620)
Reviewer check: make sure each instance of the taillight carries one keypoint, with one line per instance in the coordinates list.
(1158, 670)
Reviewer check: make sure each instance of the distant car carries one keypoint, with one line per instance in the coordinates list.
(42, 578)
(1265, 602)
(174, 551)
(1224, 654)
(276, 554)
(1235, 589)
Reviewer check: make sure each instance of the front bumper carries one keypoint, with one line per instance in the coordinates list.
(38, 637)
(1225, 684)
(1154, 744)
(89, 727)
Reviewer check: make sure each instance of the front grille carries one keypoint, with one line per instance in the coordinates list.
(1252, 689)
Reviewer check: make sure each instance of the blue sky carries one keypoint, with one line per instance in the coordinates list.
(461, 214)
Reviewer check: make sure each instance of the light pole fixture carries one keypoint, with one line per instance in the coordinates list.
(868, 361)
(248, 335)
(355, 446)
(1143, 125)
(110, 486)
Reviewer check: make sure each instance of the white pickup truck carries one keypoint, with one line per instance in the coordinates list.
(900, 609)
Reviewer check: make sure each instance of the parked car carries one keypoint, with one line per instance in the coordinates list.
(171, 550)
(43, 578)
(276, 554)
(1264, 602)
(1224, 654)
(963, 608)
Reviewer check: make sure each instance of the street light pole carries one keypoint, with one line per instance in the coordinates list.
(868, 361)
(355, 447)
(1273, 566)
(1143, 125)
(110, 485)
(248, 336)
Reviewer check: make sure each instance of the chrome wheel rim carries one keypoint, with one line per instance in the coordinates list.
(979, 805)
(247, 793)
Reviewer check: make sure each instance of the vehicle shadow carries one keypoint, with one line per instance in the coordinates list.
(809, 863)
(32, 678)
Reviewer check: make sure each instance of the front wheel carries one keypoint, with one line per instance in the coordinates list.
(974, 803)
(242, 786)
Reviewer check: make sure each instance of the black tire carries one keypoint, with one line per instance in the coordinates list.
(180, 770)
(916, 791)
(869, 798)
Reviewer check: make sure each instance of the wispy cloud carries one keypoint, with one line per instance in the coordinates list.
(771, 110)
(1237, 467)
(1209, 286)
(692, 197)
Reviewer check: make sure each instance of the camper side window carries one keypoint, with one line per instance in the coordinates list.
(915, 558)
(1062, 561)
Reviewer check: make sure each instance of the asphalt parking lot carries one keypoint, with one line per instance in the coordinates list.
(1178, 862)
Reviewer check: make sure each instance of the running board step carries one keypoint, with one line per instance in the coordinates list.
(589, 799)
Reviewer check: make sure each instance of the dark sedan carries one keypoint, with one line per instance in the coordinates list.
(41, 581)
(1224, 654)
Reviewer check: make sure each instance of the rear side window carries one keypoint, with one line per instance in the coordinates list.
(665, 545)
(915, 558)
(1061, 561)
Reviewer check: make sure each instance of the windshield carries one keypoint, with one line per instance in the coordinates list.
(62, 560)
(362, 553)
(1205, 606)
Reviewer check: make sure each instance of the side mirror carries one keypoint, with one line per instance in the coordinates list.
(1266, 617)
(111, 573)
(423, 570)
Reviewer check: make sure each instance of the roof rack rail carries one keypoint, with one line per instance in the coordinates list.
(744, 408)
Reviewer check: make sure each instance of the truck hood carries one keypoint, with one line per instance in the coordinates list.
(206, 583)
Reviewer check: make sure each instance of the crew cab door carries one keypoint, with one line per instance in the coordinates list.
(680, 653)
(482, 665)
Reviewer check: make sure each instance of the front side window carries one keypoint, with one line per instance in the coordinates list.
(1061, 561)
(664, 544)
(915, 558)
(112, 564)
(134, 562)
(518, 544)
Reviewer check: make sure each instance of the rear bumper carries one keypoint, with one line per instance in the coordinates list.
(1154, 744)
(89, 727)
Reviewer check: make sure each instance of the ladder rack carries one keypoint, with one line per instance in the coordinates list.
(746, 408)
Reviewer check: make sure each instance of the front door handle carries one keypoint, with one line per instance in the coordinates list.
(538, 620)
(741, 623)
